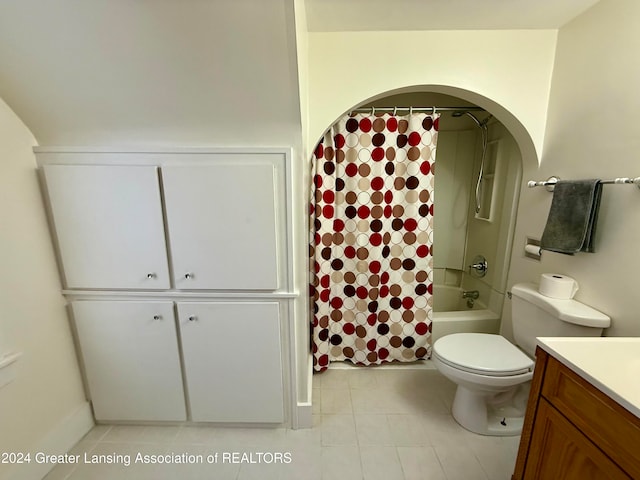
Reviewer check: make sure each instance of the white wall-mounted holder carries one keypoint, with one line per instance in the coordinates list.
(549, 183)
(532, 249)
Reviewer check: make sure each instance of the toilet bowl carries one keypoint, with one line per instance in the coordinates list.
(493, 375)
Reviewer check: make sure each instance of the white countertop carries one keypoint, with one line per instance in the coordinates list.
(612, 364)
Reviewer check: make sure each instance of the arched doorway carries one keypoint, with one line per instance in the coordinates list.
(465, 230)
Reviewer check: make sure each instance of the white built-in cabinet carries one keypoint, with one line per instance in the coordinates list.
(221, 226)
(109, 226)
(178, 273)
(216, 354)
(130, 355)
(221, 222)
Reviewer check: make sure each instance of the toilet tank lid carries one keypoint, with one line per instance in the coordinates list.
(568, 310)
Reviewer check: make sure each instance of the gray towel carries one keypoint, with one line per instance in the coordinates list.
(571, 223)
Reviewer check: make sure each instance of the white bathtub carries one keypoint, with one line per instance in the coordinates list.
(451, 314)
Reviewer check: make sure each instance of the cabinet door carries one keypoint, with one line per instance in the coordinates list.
(559, 450)
(222, 226)
(131, 360)
(109, 226)
(232, 361)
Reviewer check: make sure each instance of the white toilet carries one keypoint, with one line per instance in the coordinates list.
(492, 374)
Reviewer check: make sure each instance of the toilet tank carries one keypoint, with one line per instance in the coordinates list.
(535, 315)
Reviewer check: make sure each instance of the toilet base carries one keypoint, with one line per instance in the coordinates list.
(488, 413)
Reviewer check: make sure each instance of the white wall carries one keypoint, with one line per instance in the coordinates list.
(47, 389)
(592, 132)
(302, 179)
(302, 60)
(506, 71)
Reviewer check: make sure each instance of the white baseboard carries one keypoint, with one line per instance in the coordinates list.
(303, 413)
(305, 419)
(58, 441)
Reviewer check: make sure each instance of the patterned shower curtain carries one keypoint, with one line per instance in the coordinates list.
(372, 239)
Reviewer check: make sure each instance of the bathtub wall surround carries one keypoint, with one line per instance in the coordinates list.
(490, 236)
(456, 156)
(451, 311)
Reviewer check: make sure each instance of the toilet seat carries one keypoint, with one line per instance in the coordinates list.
(482, 354)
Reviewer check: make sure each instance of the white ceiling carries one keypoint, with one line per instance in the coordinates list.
(151, 72)
(360, 15)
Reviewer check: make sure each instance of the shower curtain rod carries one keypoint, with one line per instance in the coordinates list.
(418, 109)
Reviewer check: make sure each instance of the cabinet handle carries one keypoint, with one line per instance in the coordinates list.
(157, 317)
(193, 318)
(188, 275)
(151, 275)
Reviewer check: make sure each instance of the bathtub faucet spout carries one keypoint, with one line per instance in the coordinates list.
(473, 294)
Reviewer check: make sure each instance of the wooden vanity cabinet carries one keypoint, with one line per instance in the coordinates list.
(572, 430)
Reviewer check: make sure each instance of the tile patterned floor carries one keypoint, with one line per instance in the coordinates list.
(369, 423)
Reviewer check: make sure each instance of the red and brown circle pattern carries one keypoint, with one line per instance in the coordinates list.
(372, 239)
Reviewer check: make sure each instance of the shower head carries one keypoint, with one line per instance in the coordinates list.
(457, 113)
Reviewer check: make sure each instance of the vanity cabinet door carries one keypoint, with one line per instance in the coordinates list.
(559, 450)
(232, 361)
(130, 356)
(222, 225)
(109, 226)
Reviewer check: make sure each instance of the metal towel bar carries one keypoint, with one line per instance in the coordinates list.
(551, 181)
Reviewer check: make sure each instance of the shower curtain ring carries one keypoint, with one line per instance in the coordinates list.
(410, 111)
(373, 111)
(395, 110)
(433, 112)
